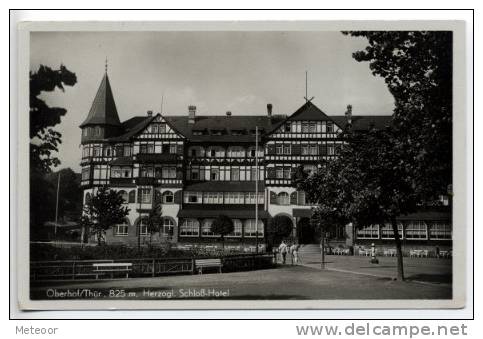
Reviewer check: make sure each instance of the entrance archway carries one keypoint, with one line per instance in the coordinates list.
(306, 233)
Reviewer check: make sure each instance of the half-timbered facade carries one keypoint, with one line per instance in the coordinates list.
(198, 167)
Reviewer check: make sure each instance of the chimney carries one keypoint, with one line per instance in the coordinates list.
(348, 114)
(269, 110)
(150, 113)
(191, 114)
(228, 113)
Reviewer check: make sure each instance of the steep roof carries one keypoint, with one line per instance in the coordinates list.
(103, 110)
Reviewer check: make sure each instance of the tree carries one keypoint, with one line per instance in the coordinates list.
(44, 139)
(417, 68)
(369, 182)
(279, 227)
(70, 191)
(104, 210)
(154, 218)
(223, 226)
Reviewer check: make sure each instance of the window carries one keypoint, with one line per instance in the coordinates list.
(107, 151)
(124, 196)
(116, 172)
(154, 128)
(283, 198)
(368, 232)
(195, 174)
(252, 153)
(387, 232)
(237, 228)
(305, 127)
(330, 127)
(121, 230)
(145, 194)
(167, 229)
(162, 128)
(146, 172)
(314, 150)
(146, 149)
(87, 199)
(194, 152)
(312, 127)
(84, 132)
(193, 197)
(305, 149)
(127, 151)
(169, 172)
(143, 227)
(234, 198)
(173, 149)
(301, 200)
(236, 152)
(235, 173)
(126, 172)
(330, 150)
(97, 151)
(253, 174)
(287, 127)
(215, 174)
(206, 228)
(85, 152)
(213, 198)
(251, 228)
(132, 196)
(279, 149)
(85, 174)
(287, 173)
(279, 173)
(98, 131)
(310, 169)
(190, 228)
(416, 230)
(250, 198)
(440, 230)
(287, 149)
(168, 197)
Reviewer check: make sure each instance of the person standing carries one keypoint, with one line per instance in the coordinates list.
(282, 249)
(295, 256)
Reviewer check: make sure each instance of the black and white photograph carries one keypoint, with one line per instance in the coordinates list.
(313, 166)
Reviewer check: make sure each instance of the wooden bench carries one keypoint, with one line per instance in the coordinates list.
(204, 263)
(112, 267)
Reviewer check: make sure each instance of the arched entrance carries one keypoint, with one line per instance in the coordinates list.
(306, 233)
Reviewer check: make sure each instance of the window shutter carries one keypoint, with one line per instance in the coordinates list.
(132, 196)
(323, 149)
(180, 150)
(271, 173)
(177, 197)
(296, 149)
(271, 149)
(293, 198)
(273, 198)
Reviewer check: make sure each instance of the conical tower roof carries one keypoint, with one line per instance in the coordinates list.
(103, 110)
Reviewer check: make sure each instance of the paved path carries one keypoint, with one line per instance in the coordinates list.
(284, 282)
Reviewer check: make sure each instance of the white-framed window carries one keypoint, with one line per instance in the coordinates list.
(85, 174)
(279, 149)
(96, 152)
(98, 131)
(312, 127)
(305, 150)
(330, 150)
(251, 229)
(206, 228)
(368, 232)
(169, 173)
(143, 227)
(387, 232)
(283, 198)
(190, 228)
(330, 127)
(235, 173)
(250, 198)
(167, 228)
(215, 174)
(173, 148)
(121, 230)
(195, 174)
(440, 230)
(116, 172)
(85, 151)
(237, 228)
(288, 127)
(216, 152)
(124, 196)
(193, 197)
(301, 199)
(314, 150)
(416, 230)
(168, 197)
(287, 149)
(287, 173)
(107, 151)
(234, 198)
(279, 172)
(145, 195)
(305, 127)
(236, 152)
(126, 172)
(127, 151)
(213, 198)
(154, 128)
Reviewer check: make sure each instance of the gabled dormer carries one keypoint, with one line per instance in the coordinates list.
(102, 122)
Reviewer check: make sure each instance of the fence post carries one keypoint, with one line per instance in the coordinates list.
(153, 267)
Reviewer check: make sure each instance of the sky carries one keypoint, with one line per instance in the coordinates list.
(216, 71)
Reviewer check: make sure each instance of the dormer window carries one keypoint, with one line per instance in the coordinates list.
(330, 127)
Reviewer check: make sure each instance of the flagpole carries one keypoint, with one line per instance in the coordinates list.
(256, 187)
(57, 205)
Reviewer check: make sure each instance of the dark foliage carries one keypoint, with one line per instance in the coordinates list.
(223, 226)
